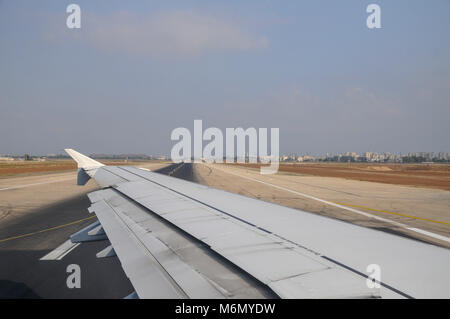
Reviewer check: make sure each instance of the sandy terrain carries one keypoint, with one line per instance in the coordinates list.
(9, 169)
(423, 208)
(420, 175)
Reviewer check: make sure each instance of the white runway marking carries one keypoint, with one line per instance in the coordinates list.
(61, 251)
(417, 230)
(29, 185)
(427, 233)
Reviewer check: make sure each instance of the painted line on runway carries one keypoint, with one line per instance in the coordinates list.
(394, 213)
(61, 251)
(35, 184)
(175, 169)
(48, 229)
(427, 233)
(423, 232)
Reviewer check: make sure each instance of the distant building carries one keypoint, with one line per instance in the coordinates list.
(443, 156)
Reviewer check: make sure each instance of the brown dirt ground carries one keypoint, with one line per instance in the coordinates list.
(8, 169)
(419, 175)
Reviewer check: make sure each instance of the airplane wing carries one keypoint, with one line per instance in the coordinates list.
(178, 239)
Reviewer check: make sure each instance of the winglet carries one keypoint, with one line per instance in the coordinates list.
(86, 166)
(83, 161)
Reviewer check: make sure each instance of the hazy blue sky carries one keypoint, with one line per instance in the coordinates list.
(136, 70)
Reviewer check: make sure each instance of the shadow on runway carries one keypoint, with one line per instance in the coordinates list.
(16, 290)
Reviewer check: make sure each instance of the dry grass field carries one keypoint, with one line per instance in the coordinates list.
(419, 175)
(24, 168)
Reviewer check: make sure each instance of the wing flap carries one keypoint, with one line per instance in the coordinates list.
(154, 270)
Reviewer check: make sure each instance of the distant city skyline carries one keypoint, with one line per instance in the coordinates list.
(371, 157)
(293, 157)
(297, 153)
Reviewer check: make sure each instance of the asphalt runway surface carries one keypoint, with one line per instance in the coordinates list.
(26, 239)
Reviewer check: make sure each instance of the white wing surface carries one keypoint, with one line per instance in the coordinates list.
(177, 239)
